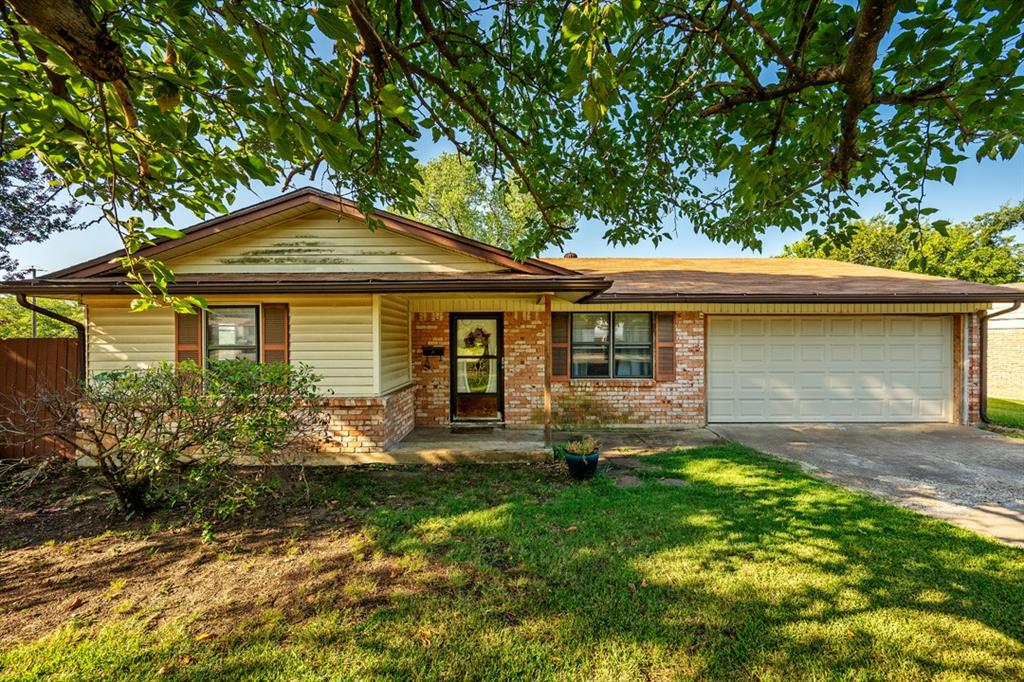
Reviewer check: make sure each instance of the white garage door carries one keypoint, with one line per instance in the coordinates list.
(807, 369)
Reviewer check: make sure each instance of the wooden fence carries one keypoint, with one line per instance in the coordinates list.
(26, 367)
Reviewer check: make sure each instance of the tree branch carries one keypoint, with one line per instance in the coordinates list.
(820, 76)
(875, 19)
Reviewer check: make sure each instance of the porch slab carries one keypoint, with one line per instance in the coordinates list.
(439, 445)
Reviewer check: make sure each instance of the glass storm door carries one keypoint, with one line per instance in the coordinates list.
(476, 381)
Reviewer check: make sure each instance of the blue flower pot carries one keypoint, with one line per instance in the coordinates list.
(581, 467)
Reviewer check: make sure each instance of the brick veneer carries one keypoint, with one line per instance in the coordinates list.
(641, 401)
(358, 426)
(1006, 363)
(974, 370)
(430, 375)
(523, 368)
(608, 402)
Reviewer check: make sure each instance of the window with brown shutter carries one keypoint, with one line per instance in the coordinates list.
(560, 346)
(187, 339)
(665, 348)
(275, 332)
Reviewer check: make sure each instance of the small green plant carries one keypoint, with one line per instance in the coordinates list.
(582, 447)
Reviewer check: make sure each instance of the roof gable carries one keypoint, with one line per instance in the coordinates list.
(323, 241)
(298, 204)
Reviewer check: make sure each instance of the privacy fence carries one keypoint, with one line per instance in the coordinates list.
(28, 367)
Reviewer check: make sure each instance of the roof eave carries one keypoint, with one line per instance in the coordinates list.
(1000, 297)
(534, 284)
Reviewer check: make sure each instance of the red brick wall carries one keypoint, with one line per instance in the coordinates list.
(974, 369)
(523, 368)
(641, 401)
(431, 395)
(609, 401)
(358, 426)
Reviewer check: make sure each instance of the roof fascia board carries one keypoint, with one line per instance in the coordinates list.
(805, 298)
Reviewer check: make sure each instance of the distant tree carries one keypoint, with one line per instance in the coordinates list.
(30, 208)
(16, 322)
(456, 196)
(981, 250)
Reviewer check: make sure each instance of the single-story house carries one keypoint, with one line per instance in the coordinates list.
(1006, 350)
(409, 326)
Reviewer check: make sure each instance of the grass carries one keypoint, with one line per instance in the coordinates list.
(751, 570)
(1006, 412)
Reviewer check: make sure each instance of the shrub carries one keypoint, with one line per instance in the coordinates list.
(153, 433)
(582, 446)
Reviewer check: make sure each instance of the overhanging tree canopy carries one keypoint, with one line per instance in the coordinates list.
(736, 116)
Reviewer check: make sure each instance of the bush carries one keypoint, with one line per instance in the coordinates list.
(157, 433)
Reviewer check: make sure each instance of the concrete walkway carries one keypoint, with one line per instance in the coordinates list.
(967, 476)
(439, 445)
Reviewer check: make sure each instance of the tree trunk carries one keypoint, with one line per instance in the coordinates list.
(71, 25)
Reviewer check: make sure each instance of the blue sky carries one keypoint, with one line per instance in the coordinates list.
(979, 187)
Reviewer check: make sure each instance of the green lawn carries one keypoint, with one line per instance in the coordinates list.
(1006, 412)
(751, 570)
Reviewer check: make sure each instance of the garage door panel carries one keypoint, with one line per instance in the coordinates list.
(930, 326)
(811, 326)
(867, 368)
(872, 352)
(752, 327)
(751, 352)
(842, 352)
(901, 352)
(933, 408)
(872, 327)
(930, 352)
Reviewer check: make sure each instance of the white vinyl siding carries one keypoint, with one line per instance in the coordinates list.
(331, 334)
(394, 343)
(117, 338)
(321, 242)
(829, 369)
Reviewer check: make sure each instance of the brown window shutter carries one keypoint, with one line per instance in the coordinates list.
(187, 337)
(275, 332)
(560, 346)
(665, 348)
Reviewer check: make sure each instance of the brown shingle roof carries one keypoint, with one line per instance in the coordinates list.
(790, 279)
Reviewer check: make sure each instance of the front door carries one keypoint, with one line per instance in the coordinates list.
(476, 373)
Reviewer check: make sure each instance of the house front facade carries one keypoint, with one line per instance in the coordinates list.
(411, 326)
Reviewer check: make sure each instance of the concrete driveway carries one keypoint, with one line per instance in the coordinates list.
(970, 477)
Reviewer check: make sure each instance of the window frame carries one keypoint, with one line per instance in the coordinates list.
(206, 333)
(610, 346)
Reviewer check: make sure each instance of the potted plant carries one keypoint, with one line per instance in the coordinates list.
(581, 455)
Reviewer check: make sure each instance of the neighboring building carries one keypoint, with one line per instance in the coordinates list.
(409, 325)
(1006, 352)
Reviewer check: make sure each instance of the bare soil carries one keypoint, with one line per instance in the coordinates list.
(64, 554)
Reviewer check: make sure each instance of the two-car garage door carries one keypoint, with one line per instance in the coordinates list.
(833, 369)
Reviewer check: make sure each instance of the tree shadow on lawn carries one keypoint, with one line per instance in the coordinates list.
(753, 569)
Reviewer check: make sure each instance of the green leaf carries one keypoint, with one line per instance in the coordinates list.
(70, 112)
(166, 232)
(336, 26)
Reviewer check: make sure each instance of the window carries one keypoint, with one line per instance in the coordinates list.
(612, 345)
(232, 333)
